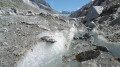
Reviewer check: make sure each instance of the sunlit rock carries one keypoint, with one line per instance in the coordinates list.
(94, 12)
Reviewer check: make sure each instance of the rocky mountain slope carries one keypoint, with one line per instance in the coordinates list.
(33, 5)
(32, 37)
(105, 3)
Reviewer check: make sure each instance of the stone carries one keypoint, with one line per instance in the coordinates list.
(102, 48)
(29, 13)
(90, 24)
(48, 39)
(42, 14)
(118, 33)
(87, 36)
(76, 38)
(115, 21)
(87, 55)
(14, 10)
(94, 12)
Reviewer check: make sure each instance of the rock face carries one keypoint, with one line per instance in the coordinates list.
(81, 12)
(34, 5)
(94, 12)
(42, 4)
(87, 55)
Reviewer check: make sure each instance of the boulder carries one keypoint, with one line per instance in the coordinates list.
(29, 13)
(102, 48)
(94, 12)
(42, 14)
(90, 24)
(14, 10)
(76, 38)
(86, 36)
(87, 55)
(48, 39)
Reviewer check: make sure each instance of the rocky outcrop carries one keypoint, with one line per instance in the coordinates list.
(81, 12)
(33, 5)
(42, 4)
(104, 3)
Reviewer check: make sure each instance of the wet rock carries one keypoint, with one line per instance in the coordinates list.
(81, 38)
(87, 55)
(48, 39)
(76, 38)
(102, 48)
(86, 36)
(68, 58)
(94, 12)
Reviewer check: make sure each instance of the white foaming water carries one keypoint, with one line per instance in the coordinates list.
(46, 54)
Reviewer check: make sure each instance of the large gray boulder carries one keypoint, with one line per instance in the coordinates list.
(94, 12)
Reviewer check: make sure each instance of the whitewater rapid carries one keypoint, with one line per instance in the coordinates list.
(46, 54)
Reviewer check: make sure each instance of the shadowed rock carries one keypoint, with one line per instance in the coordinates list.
(87, 55)
(102, 48)
(87, 36)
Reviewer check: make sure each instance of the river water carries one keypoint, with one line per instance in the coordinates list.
(50, 55)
